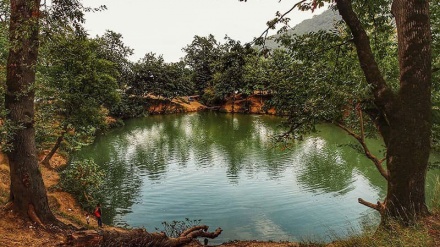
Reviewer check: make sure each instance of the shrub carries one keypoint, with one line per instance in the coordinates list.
(175, 228)
(84, 180)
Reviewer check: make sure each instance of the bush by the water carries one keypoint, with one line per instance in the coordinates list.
(84, 179)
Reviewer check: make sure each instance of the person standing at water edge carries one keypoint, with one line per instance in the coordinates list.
(98, 214)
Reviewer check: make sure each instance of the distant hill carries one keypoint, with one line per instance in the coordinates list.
(324, 21)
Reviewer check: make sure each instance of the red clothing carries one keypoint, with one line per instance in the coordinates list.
(98, 212)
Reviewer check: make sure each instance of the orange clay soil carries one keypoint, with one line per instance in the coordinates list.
(253, 104)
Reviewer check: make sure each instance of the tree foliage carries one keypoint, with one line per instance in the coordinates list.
(200, 56)
(83, 179)
(76, 86)
(230, 68)
(365, 73)
(153, 76)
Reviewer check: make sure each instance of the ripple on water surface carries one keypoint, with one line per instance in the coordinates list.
(224, 170)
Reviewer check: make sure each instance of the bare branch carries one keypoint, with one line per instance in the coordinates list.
(361, 140)
(205, 234)
(193, 233)
(271, 25)
(361, 121)
(379, 206)
(192, 229)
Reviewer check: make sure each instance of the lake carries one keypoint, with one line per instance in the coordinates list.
(225, 170)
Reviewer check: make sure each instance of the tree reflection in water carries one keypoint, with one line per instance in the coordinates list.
(216, 160)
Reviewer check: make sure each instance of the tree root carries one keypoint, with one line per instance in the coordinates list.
(33, 216)
(193, 233)
(9, 206)
(139, 237)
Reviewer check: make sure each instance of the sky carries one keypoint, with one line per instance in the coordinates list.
(165, 27)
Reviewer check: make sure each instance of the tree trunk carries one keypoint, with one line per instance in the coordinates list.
(48, 157)
(409, 140)
(404, 118)
(233, 101)
(28, 193)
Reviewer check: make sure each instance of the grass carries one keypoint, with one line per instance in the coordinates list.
(425, 233)
(435, 200)
(73, 219)
(398, 236)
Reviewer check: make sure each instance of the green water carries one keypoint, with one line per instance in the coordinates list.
(224, 170)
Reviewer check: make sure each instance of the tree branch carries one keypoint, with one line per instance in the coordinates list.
(193, 233)
(271, 24)
(379, 206)
(192, 229)
(384, 98)
(204, 233)
(361, 140)
(381, 123)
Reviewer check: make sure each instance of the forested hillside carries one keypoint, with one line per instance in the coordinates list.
(324, 21)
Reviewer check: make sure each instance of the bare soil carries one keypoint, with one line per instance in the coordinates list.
(252, 104)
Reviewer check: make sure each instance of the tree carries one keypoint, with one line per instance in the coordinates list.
(403, 118)
(28, 193)
(4, 46)
(78, 83)
(229, 77)
(435, 26)
(401, 113)
(200, 57)
(178, 80)
(113, 49)
(153, 76)
(257, 75)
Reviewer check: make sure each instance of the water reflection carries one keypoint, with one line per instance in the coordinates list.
(323, 170)
(223, 169)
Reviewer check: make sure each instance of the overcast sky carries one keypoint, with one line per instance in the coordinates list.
(166, 26)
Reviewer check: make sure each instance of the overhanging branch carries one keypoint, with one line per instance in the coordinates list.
(377, 162)
(271, 24)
